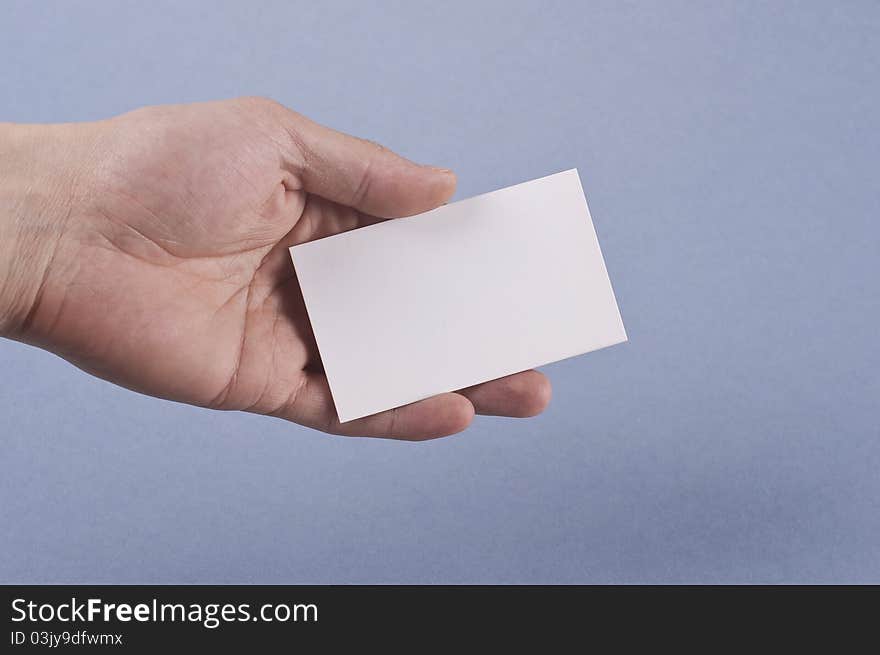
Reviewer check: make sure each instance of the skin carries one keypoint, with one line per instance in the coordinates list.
(150, 250)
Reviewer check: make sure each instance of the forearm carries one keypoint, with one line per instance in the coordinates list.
(37, 190)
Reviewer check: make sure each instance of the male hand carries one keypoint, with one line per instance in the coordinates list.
(151, 250)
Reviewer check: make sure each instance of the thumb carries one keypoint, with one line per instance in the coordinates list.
(360, 173)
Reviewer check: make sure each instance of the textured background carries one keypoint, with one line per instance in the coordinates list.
(730, 154)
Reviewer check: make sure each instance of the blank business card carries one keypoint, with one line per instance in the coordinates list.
(469, 292)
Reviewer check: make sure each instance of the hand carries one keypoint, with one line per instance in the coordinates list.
(159, 258)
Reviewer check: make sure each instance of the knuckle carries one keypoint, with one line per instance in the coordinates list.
(261, 102)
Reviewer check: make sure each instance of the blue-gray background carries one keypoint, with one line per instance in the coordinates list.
(729, 152)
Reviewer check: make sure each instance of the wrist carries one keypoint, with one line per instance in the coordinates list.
(37, 192)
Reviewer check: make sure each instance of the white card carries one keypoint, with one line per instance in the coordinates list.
(469, 292)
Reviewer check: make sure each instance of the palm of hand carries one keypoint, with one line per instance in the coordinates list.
(177, 280)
